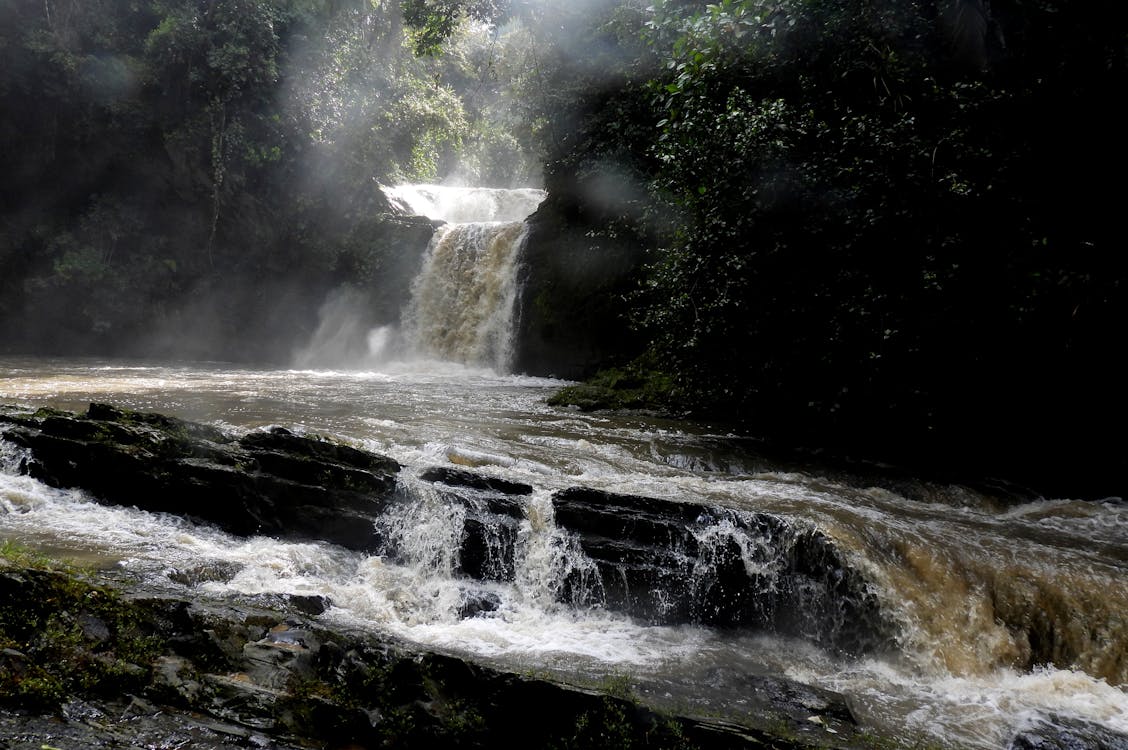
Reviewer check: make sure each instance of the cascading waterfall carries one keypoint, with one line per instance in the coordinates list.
(592, 544)
(725, 568)
(462, 302)
(465, 205)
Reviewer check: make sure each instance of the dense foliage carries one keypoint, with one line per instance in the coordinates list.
(190, 178)
(883, 226)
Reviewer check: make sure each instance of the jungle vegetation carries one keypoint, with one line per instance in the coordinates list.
(890, 226)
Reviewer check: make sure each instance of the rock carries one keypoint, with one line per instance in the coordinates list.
(174, 680)
(275, 664)
(215, 571)
(139, 707)
(93, 628)
(275, 680)
(238, 699)
(661, 561)
(670, 562)
(272, 483)
(1059, 733)
(13, 662)
(571, 312)
(308, 604)
(462, 478)
(477, 602)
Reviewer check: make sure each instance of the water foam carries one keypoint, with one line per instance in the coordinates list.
(458, 205)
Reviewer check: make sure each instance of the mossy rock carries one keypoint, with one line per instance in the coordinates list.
(62, 635)
(636, 387)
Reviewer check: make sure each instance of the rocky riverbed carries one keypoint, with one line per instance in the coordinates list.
(107, 658)
(92, 666)
(100, 660)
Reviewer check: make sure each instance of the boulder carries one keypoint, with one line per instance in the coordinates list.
(272, 482)
(670, 562)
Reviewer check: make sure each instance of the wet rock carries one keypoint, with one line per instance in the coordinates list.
(672, 562)
(308, 604)
(238, 699)
(139, 707)
(275, 680)
(13, 662)
(462, 478)
(311, 461)
(272, 482)
(174, 680)
(276, 663)
(93, 628)
(475, 603)
(488, 547)
(1058, 733)
(215, 571)
(113, 726)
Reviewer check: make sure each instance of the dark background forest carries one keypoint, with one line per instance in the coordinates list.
(890, 229)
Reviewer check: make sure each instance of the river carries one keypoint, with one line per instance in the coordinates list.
(1003, 611)
(964, 575)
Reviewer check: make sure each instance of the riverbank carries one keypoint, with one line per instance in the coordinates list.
(857, 450)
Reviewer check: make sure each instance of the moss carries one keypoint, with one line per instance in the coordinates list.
(67, 636)
(617, 686)
(620, 724)
(637, 386)
(20, 556)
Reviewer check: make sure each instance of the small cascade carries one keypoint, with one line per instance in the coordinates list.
(968, 612)
(668, 562)
(424, 533)
(552, 567)
(659, 562)
(13, 458)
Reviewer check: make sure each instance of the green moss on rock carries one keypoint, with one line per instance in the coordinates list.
(61, 635)
(637, 386)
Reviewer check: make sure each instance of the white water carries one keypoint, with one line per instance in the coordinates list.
(462, 205)
(957, 571)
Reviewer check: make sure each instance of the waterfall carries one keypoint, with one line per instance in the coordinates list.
(462, 303)
(463, 300)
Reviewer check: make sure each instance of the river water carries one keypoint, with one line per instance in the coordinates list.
(965, 576)
(1003, 611)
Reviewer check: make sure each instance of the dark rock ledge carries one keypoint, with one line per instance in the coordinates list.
(273, 483)
(86, 665)
(659, 561)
